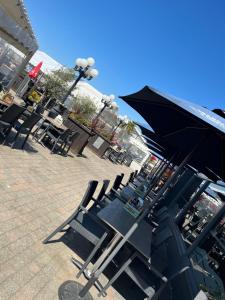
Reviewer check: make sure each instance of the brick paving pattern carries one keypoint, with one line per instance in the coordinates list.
(38, 192)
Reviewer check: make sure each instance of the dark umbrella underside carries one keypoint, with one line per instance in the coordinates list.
(182, 125)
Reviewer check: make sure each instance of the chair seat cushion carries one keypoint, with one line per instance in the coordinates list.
(87, 227)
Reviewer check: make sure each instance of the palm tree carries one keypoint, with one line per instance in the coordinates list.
(129, 127)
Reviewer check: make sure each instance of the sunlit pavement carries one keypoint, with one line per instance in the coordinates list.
(38, 192)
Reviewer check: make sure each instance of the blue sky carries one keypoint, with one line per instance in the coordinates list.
(176, 46)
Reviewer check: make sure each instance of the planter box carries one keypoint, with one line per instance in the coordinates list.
(98, 144)
(82, 139)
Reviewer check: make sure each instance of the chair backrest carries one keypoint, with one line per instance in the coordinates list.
(135, 173)
(65, 134)
(103, 190)
(92, 185)
(12, 113)
(117, 181)
(182, 190)
(179, 269)
(131, 177)
(31, 121)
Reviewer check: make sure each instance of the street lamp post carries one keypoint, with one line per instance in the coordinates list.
(83, 67)
(107, 102)
(123, 120)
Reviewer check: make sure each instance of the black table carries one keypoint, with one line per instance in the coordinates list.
(120, 220)
(127, 229)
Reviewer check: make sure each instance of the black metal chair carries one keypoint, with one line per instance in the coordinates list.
(57, 138)
(85, 222)
(92, 185)
(9, 117)
(25, 128)
(108, 197)
(42, 126)
(69, 142)
(168, 274)
(99, 201)
(130, 179)
(117, 182)
(103, 190)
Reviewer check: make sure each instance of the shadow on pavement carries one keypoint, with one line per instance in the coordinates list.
(123, 285)
(28, 146)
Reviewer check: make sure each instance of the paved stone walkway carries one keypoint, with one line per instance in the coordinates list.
(38, 192)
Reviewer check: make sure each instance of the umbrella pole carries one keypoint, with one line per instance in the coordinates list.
(180, 217)
(160, 171)
(204, 234)
(155, 174)
(171, 180)
(152, 173)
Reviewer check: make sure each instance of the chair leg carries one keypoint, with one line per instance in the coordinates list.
(43, 134)
(114, 278)
(5, 135)
(58, 229)
(88, 285)
(25, 140)
(15, 139)
(63, 148)
(68, 149)
(35, 133)
(60, 148)
(93, 252)
(54, 146)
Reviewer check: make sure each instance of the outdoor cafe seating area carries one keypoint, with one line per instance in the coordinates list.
(160, 262)
(44, 125)
(151, 228)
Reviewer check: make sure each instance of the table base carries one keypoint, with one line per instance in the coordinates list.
(70, 290)
(87, 274)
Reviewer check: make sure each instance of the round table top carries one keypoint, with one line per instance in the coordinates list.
(69, 290)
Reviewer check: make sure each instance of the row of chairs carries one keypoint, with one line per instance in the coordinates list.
(10, 119)
(16, 117)
(61, 140)
(155, 279)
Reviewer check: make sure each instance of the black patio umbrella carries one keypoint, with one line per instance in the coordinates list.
(154, 141)
(167, 151)
(153, 148)
(151, 137)
(219, 112)
(186, 126)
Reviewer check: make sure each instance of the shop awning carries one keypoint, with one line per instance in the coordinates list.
(15, 27)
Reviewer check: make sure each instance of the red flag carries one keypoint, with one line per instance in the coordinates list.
(34, 72)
